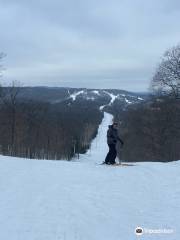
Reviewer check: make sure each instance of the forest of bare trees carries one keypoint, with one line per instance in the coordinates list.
(151, 130)
(40, 130)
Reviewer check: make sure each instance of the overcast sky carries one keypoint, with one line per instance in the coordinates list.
(86, 43)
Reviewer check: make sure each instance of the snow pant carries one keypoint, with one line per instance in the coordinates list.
(111, 156)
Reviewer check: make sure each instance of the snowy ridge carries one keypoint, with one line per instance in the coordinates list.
(65, 95)
(87, 94)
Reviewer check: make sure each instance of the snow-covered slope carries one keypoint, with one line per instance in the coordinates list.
(82, 200)
(98, 150)
(112, 95)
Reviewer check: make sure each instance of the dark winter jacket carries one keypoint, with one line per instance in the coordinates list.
(112, 136)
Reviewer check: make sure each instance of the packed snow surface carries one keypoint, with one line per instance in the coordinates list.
(82, 200)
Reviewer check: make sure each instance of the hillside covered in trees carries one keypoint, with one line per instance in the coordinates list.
(53, 123)
(40, 130)
(151, 130)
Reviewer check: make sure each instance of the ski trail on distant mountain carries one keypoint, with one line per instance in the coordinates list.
(127, 101)
(113, 98)
(96, 92)
(74, 95)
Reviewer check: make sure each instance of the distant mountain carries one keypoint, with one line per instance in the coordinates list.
(101, 97)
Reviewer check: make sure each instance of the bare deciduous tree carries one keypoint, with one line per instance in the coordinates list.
(151, 131)
(9, 98)
(12, 95)
(2, 55)
(167, 77)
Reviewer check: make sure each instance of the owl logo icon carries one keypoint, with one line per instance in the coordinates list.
(139, 231)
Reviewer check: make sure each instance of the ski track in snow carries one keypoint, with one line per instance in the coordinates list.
(113, 98)
(82, 200)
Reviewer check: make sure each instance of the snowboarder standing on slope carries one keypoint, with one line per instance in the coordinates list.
(112, 138)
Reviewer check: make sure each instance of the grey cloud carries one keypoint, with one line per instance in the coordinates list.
(85, 43)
